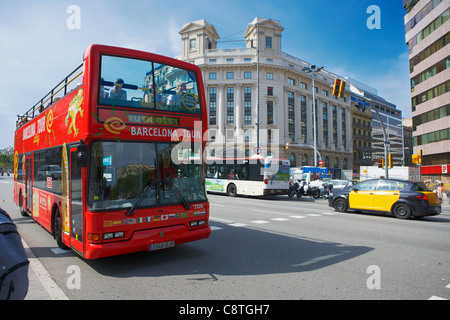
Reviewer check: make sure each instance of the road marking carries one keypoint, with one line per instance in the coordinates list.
(259, 221)
(220, 220)
(279, 219)
(436, 298)
(214, 228)
(60, 251)
(237, 224)
(297, 217)
(313, 215)
(271, 212)
(52, 289)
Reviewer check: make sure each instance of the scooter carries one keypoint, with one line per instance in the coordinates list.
(327, 191)
(294, 189)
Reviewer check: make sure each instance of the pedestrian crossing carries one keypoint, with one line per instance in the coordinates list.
(287, 217)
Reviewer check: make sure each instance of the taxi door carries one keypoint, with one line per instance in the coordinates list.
(386, 194)
(362, 195)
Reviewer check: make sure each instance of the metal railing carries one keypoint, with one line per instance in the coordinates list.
(50, 97)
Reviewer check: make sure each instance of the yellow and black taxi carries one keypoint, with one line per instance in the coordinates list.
(401, 197)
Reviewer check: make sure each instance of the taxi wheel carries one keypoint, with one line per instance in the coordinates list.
(402, 211)
(340, 205)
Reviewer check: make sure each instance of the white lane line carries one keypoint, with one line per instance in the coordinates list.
(52, 289)
(297, 217)
(237, 225)
(271, 212)
(436, 298)
(214, 228)
(279, 219)
(259, 221)
(313, 215)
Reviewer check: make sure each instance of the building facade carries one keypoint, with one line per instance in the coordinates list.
(261, 87)
(427, 34)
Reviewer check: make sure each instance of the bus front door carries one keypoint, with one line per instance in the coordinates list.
(76, 213)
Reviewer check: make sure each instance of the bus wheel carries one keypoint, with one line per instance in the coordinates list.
(232, 190)
(402, 211)
(23, 213)
(57, 230)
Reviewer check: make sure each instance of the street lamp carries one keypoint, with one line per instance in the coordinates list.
(313, 69)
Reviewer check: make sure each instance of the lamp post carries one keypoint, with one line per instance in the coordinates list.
(313, 69)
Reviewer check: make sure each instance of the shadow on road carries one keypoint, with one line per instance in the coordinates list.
(231, 251)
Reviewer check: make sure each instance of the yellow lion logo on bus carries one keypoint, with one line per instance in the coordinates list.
(73, 111)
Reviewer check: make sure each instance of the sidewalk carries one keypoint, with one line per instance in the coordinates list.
(41, 285)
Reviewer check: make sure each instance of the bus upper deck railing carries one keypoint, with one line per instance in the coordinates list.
(50, 97)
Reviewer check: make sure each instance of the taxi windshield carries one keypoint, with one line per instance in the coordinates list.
(148, 85)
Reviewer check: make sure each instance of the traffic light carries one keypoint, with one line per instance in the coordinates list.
(390, 160)
(342, 89)
(380, 163)
(336, 87)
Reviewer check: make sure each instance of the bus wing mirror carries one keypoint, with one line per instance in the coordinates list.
(82, 155)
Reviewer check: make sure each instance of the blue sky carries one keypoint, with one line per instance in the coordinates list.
(37, 50)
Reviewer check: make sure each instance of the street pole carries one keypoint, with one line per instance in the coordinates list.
(314, 119)
(257, 87)
(313, 70)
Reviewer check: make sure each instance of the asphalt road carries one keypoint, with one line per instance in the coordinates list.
(279, 248)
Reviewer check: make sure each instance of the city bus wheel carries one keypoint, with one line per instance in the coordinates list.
(232, 190)
(57, 230)
(23, 213)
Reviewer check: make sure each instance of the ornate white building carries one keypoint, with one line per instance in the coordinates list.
(262, 84)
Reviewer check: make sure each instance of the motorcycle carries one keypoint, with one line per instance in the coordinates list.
(294, 189)
(302, 188)
(327, 191)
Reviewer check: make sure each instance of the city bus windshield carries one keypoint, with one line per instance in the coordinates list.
(127, 175)
(147, 85)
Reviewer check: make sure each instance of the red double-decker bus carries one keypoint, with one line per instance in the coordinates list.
(111, 161)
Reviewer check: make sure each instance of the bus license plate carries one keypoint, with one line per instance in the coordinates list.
(162, 245)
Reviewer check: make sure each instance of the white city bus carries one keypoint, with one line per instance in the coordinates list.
(248, 176)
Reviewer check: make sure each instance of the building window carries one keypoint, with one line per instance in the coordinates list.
(247, 75)
(269, 112)
(230, 75)
(212, 106)
(291, 115)
(270, 91)
(291, 81)
(268, 42)
(230, 105)
(192, 44)
(229, 133)
(212, 76)
(269, 76)
(344, 129)
(230, 60)
(247, 105)
(303, 119)
(247, 59)
(335, 139)
(303, 85)
(213, 61)
(325, 123)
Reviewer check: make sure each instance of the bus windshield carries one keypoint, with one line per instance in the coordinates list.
(145, 84)
(124, 175)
